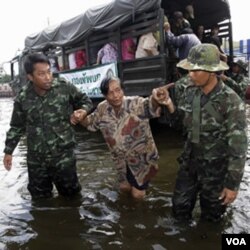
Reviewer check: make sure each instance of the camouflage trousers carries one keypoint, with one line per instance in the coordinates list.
(46, 170)
(203, 179)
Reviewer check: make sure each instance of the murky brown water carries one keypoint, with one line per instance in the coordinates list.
(103, 219)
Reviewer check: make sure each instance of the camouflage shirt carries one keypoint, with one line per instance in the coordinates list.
(239, 84)
(45, 119)
(223, 135)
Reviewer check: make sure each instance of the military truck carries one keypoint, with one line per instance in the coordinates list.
(115, 21)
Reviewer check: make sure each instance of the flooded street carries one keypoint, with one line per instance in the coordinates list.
(102, 218)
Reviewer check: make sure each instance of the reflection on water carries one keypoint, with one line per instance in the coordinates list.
(102, 218)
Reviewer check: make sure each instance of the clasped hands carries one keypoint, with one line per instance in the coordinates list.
(78, 116)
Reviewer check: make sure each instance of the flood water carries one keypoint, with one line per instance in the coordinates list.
(102, 218)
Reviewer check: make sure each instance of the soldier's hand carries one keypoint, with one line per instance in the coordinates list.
(77, 116)
(161, 94)
(7, 162)
(228, 196)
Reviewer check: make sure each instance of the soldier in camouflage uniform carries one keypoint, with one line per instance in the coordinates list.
(45, 110)
(214, 154)
(238, 81)
(239, 70)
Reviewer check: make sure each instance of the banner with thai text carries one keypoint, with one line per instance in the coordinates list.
(89, 80)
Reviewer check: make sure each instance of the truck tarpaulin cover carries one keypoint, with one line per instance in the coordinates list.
(110, 16)
(106, 17)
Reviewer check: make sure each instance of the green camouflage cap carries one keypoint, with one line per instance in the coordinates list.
(205, 57)
(241, 64)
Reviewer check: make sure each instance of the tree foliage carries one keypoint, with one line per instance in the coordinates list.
(5, 78)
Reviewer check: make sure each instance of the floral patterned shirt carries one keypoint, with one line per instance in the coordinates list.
(128, 136)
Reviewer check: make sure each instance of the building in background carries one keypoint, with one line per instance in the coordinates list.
(5, 90)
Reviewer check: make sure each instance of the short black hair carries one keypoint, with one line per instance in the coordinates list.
(104, 87)
(33, 59)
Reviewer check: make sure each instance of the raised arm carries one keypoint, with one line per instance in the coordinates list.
(160, 96)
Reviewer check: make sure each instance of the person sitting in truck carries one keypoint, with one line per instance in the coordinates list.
(200, 33)
(189, 15)
(53, 63)
(72, 60)
(128, 49)
(157, 33)
(184, 42)
(179, 23)
(107, 54)
(80, 57)
(215, 39)
(147, 46)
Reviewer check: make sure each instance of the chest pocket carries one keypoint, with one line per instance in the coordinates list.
(31, 109)
(213, 112)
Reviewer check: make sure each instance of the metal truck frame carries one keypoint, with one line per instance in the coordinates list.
(118, 20)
